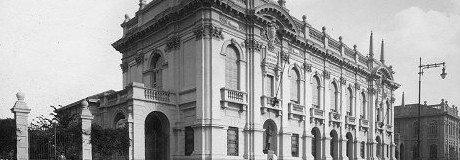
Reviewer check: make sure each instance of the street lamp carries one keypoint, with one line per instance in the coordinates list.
(420, 73)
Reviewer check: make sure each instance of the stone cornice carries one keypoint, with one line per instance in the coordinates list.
(291, 32)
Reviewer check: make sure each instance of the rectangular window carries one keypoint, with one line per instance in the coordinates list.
(269, 86)
(295, 145)
(189, 141)
(232, 141)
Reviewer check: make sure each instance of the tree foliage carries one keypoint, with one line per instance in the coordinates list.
(56, 135)
(7, 138)
(107, 142)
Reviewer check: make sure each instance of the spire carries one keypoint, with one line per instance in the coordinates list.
(371, 47)
(382, 54)
(402, 100)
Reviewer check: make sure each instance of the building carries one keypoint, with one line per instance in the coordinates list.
(439, 132)
(243, 79)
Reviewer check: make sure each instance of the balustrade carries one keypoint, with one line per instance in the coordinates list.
(233, 96)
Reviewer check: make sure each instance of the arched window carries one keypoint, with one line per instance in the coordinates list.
(379, 147)
(316, 89)
(232, 69)
(362, 149)
(119, 120)
(378, 110)
(415, 151)
(432, 131)
(363, 105)
(387, 115)
(334, 97)
(295, 85)
(349, 101)
(416, 128)
(433, 151)
(157, 67)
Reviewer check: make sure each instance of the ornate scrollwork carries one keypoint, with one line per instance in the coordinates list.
(284, 57)
(253, 45)
(343, 81)
(208, 31)
(307, 67)
(372, 90)
(357, 86)
(172, 43)
(327, 74)
(140, 59)
(124, 67)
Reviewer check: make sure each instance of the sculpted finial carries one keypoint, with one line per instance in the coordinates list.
(282, 3)
(127, 18)
(142, 4)
(20, 96)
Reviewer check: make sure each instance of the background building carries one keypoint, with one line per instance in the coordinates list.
(242, 79)
(440, 132)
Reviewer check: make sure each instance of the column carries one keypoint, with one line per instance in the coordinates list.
(326, 148)
(343, 148)
(307, 150)
(130, 121)
(21, 113)
(86, 118)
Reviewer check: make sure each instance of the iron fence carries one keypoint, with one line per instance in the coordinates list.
(54, 143)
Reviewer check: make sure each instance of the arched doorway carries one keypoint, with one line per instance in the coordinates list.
(316, 143)
(401, 152)
(156, 136)
(270, 137)
(334, 145)
(119, 120)
(350, 146)
(379, 147)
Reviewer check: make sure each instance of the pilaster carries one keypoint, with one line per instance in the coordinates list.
(86, 118)
(21, 114)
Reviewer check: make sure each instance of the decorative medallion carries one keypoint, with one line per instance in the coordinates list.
(307, 67)
(326, 74)
(270, 34)
(343, 81)
(357, 86)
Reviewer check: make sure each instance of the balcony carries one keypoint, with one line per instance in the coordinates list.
(233, 99)
(389, 128)
(267, 104)
(350, 120)
(137, 91)
(316, 115)
(157, 95)
(364, 123)
(296, 111)
(379, 126)
(334, 116)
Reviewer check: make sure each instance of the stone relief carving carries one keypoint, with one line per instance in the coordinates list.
(327, 74)
(253, 45)
(172, 43)
(307, 67)
(208, 31)
(124, 67)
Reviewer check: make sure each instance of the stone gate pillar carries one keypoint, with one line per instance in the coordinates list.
(21, 114)
(86, 118)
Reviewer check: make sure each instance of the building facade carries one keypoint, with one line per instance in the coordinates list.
(243, 79)
(439, 131)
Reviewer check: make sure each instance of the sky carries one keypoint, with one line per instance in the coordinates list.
(59, 51)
